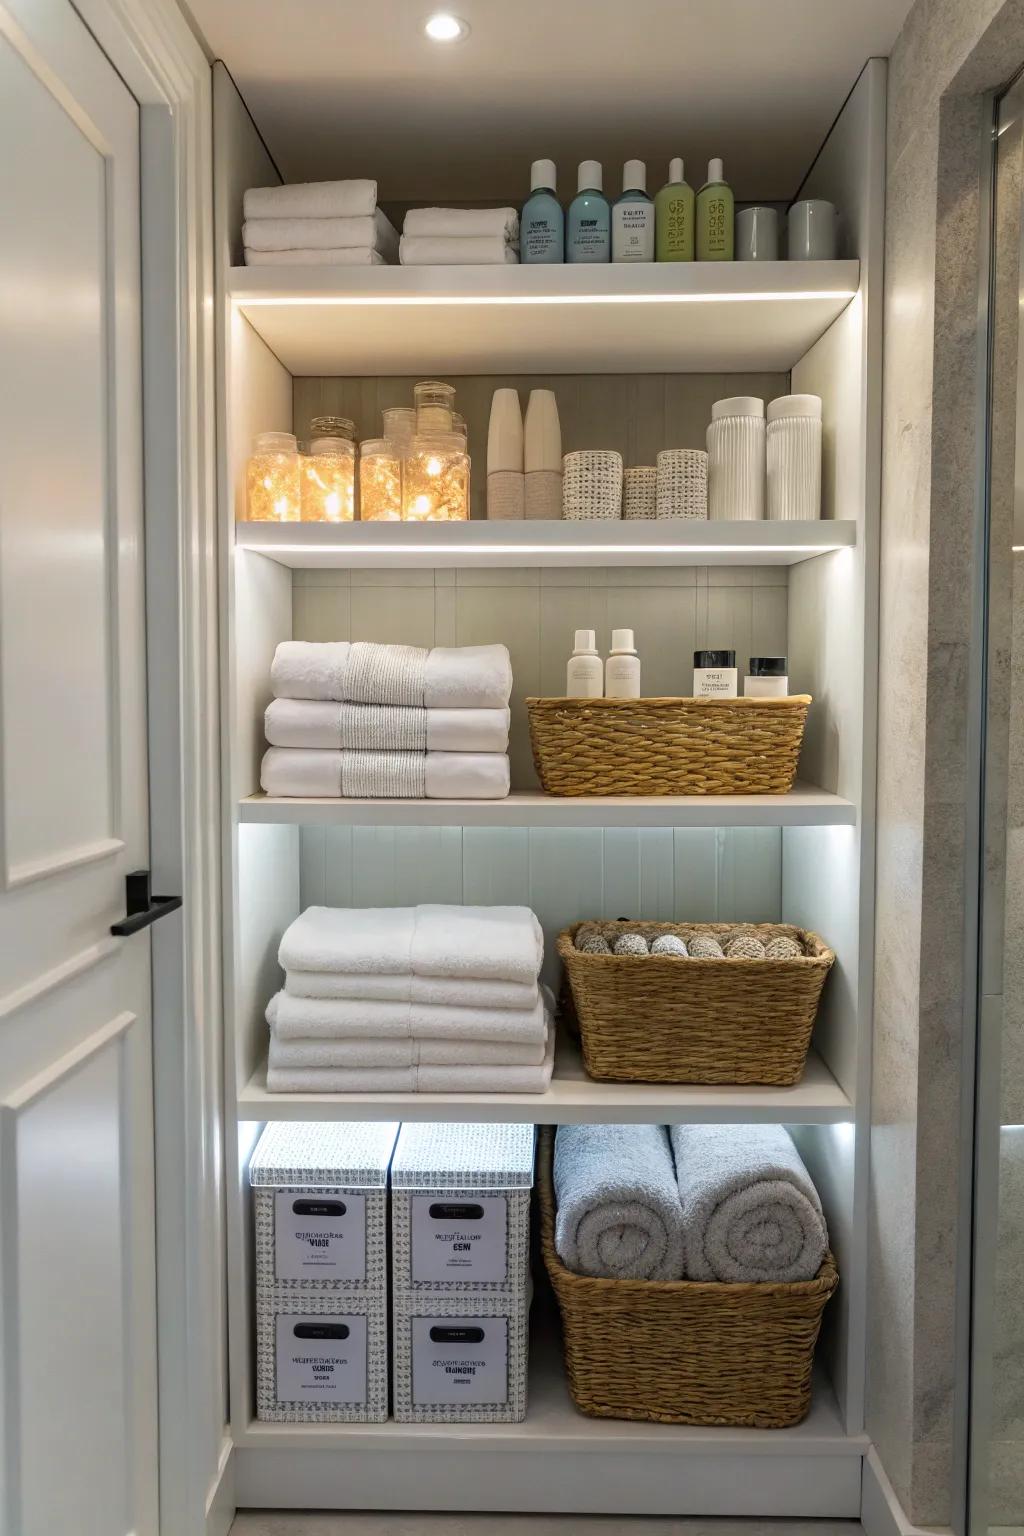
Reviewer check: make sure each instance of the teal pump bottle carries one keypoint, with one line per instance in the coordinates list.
(542, 226)
(588, 235)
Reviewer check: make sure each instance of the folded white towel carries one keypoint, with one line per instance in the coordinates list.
(345, 256)
(311, 200)
(415, 1079)
(403, 1053)
(308, 773)
(447, 677)
(321, 723)
(373, 231)
(456, 251)
(319, 1018)
(305, 670)
(484, 943)
(463, 994)
(487, 943)
(618, 1211)
(463, 222)
(467, 677)
(750, 1210)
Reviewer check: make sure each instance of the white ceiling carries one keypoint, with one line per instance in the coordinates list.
(353, 88)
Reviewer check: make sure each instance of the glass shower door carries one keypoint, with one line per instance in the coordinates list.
(996, 1454)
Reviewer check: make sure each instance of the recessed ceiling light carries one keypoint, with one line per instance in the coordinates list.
(443, 27)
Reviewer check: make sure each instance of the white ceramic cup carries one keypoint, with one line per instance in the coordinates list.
(757, 234)
(812, 231)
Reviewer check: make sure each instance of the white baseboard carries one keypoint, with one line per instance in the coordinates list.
(881, 1512)
(220, 1501)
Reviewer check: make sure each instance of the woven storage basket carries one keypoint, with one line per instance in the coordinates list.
(684, 1351)
(661, 1019)
(639, 491)
(667, 746)
(592, 484)
(682, 488)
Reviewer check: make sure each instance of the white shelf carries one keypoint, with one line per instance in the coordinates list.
(309, 546)
(573, 1098)
(804, 806)
(679, 317)
(558, 1460)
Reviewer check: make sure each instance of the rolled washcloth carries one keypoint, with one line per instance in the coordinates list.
(298, 772)
(321, 723)
(750, 1210)
(447, 677)
(346, 256)
(351, 1019)
(459, 993)
(456, 251)
(479, 943)
(468, 1078)
(463, 222)
(312, 200)
(618, 1213)
(373, 231)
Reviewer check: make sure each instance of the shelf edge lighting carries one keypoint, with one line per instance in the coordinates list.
(531, 549)
(425, 300)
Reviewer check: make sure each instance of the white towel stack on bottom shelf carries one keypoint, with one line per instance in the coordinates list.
(320, 223)
(429, 999)
(388, 721)
(445, 237)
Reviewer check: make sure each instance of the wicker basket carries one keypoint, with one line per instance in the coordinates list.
(592, 484)
(659, 1019)
(667, 746)
(683, 1351)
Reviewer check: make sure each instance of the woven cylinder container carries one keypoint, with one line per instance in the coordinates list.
(504, 1401)
(667, 746)
(663, 1019)
(592, 484)
(736, 467)
(684, 1351)
(544, 494)
(794, 468)
(506, 495)
(682, 483)
(640, 491)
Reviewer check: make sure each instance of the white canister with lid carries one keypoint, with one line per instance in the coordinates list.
(794, 458)
(736, 459)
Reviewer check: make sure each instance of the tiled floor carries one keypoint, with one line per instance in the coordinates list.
(268, 1523)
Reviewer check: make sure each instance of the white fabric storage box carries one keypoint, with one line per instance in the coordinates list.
(460, 1207)
(322, 1358)
(320, 1200)
(460, 1358)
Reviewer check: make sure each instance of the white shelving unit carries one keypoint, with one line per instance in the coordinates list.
(805, 857)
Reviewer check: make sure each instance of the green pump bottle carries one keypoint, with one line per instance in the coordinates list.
(715, 217)
(674, 217)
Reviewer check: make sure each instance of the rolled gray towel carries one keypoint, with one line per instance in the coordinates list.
(750, 1210)
(618, 1216)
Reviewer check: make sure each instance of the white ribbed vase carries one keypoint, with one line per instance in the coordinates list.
(736, 459)
(794, 458)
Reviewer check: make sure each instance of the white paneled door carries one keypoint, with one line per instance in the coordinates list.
(77, 1277)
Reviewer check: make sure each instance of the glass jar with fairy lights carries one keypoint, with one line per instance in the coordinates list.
(435, 479)
(380, 481)
(273, 483)
(329, 471)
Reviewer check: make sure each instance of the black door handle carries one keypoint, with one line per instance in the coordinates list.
(143, 907)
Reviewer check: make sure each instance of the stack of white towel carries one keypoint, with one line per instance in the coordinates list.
(384, 721)
(429, 999)
(319, 223)
(443, 237)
